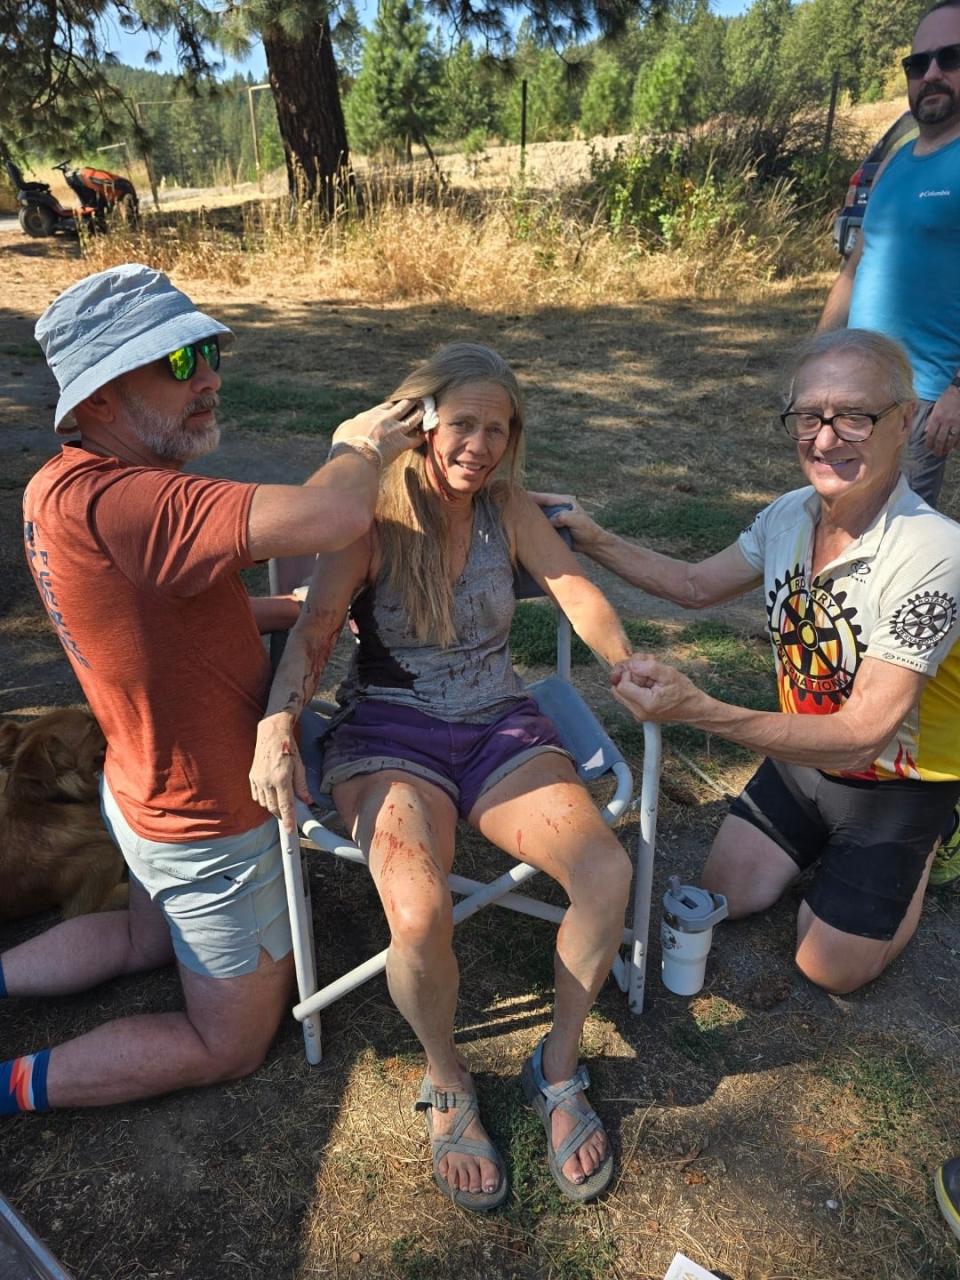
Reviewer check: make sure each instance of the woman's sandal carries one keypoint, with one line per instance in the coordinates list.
(454, 1143)
(545, 1098)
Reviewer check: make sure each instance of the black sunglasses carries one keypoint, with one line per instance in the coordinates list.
(917, 64)
(183, 361)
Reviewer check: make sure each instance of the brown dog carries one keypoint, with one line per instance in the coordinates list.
(54, 848)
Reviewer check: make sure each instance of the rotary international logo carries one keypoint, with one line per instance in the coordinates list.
(924, 620)
(816, 640)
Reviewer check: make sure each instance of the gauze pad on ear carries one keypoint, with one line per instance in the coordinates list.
(431, 419)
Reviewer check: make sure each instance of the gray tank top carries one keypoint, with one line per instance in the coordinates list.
(472, 679)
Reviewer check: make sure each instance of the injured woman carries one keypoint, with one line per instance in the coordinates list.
(438, 727)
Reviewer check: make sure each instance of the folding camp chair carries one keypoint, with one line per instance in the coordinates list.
(595, 757)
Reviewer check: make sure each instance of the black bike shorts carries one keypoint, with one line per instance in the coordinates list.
(871, 839)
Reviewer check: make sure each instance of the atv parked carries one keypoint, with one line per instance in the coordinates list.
(100, 194)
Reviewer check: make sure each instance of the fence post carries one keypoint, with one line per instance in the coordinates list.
(253, 131)
(523, 126)
(147, 158)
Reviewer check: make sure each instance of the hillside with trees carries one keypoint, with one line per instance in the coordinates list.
(410, 79)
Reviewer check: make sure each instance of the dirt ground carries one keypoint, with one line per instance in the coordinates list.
(764, 1128)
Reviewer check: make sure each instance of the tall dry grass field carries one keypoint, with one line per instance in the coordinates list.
(511, 251)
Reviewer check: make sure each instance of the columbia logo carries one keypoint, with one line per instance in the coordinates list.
(925, 194)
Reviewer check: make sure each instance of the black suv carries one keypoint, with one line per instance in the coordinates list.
(846, 226)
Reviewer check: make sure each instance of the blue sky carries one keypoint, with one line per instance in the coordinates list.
(132, 49)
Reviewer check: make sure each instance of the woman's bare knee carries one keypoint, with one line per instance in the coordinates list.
(419, 927)
(601, 878)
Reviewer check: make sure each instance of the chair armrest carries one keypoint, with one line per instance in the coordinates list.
(579, 729)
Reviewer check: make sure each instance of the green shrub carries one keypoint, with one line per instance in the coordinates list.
(757, 190)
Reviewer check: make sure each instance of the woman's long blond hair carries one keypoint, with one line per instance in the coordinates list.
(411, 523)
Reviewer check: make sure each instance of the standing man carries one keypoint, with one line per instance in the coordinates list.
(138, 567)
(903, 277)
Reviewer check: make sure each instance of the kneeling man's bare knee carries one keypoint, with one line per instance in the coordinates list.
(838, 974)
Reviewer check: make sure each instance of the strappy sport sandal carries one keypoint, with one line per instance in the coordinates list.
(545, 1098)
(454, 1143)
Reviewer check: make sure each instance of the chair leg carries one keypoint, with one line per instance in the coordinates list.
(643, 878)
(482, 897)
(301, 931)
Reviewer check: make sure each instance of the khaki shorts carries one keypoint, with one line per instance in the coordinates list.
(223, 899)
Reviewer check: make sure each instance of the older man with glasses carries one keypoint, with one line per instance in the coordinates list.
(138, 565)
(862, 761)
(862, 583)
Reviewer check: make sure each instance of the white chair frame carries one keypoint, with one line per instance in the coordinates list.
(629, 966)
(629, 970)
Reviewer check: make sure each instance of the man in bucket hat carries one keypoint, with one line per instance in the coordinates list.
(138, 566)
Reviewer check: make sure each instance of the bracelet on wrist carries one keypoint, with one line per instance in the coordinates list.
(362, 445)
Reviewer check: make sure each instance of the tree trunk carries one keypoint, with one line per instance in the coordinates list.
(303, 76)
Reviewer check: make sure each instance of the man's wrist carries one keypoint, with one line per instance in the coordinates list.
(364, 446)
(599, 542)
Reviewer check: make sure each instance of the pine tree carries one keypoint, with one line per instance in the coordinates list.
(665, 93)
(52, 55)
(753, 58)
(605, 105)
(392, 103)
(550, 101)
(466, 95)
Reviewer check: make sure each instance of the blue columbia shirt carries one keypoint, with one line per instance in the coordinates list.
(907, 284)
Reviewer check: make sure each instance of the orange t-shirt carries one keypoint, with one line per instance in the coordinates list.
(138, 570)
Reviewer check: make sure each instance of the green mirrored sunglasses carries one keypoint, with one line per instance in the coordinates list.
(183, 361)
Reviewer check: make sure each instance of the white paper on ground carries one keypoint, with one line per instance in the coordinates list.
(681, 1268)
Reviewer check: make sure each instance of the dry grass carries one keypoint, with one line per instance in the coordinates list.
(483, 240)
(511, 251)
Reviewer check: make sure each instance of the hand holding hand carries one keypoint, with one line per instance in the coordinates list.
(943, 424)
(393, 428)
(650, 690)
(277, 773)
(585, 531)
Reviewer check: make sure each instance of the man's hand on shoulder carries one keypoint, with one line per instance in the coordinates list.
(570, 515)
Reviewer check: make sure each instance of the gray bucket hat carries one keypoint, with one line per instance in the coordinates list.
(112, 322)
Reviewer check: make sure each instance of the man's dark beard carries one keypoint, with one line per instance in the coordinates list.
(943, 110)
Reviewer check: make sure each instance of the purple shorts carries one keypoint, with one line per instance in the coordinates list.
(463, 759)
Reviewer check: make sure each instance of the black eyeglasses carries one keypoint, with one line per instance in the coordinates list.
(183, 361)
(917, 64)
(851, 427)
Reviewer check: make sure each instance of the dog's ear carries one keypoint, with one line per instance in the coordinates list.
(9, 737)
(77, 765)
(33, 774)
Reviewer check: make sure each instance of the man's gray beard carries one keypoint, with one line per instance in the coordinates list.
(168, 437)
